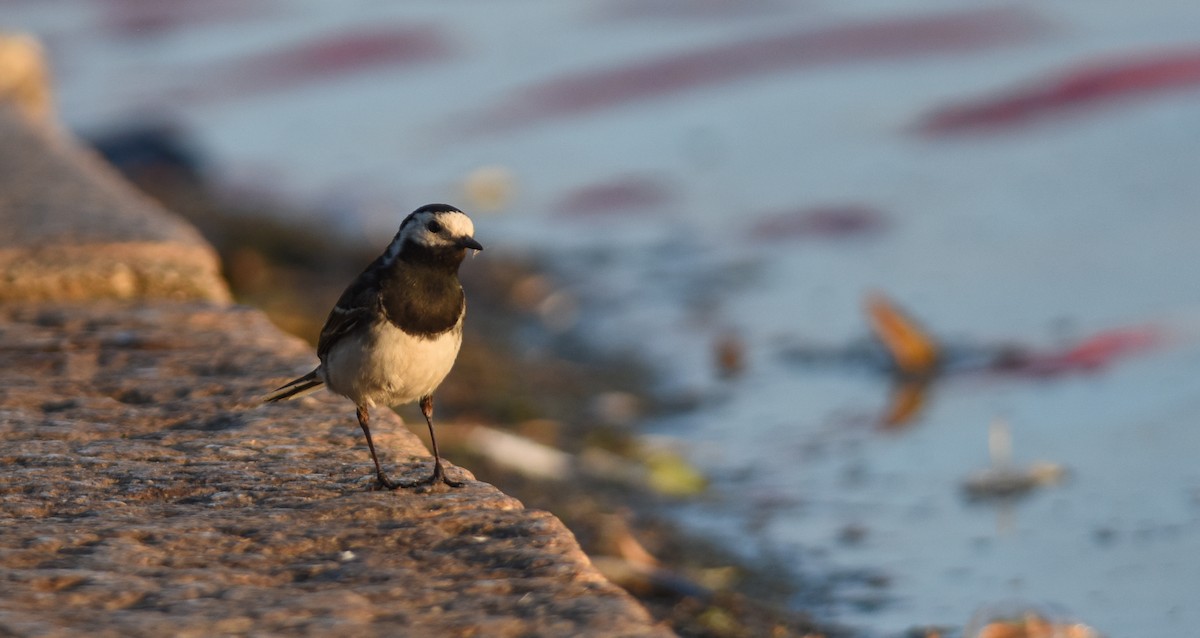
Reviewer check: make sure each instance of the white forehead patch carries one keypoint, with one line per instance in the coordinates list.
(457, 223)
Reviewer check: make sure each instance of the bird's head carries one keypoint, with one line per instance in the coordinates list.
(436, 228)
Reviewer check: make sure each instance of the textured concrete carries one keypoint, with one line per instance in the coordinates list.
(145, 492)
(24, 78)
(72, 229)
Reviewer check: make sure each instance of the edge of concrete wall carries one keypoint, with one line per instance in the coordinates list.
(146, 494)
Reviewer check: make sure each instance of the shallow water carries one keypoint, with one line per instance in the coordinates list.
(671, 156)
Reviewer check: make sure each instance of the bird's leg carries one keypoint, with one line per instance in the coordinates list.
(439, 474)
(381, 479)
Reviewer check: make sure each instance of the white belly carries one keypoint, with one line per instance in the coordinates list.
(386, 366)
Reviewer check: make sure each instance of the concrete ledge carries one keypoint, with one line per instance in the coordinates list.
(24, 78)
(73, 229)
(145, 493)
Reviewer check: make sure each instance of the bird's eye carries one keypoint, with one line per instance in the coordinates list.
(434, 227)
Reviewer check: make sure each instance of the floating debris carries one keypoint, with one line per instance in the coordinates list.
(1002, 480)
(908, 397)
(1088, 355)
(671, 474)
(519, 454)
(913, 351)
(649, 465)
(1015, 620)
(621, 409)
(1012, 482)
(915, 359)
(729, 354)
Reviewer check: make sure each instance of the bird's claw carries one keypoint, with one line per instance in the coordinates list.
(438, 476)
(382, 482)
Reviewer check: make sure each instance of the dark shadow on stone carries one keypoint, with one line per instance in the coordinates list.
(216, 423)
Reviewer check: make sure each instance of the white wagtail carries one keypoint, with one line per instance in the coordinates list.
(395, 332)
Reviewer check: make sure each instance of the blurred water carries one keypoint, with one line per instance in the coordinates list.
(686, 125)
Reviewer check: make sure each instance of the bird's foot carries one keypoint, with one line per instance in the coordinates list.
(438, 476)
(382, 482)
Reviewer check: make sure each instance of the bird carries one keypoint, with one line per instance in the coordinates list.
(393, 335)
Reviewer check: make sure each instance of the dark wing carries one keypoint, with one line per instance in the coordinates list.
(358, 305)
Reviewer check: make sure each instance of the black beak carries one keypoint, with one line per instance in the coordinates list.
(469, 242)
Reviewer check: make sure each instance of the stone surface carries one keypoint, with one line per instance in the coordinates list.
(145, 492)
(71, 228)
(24, 78)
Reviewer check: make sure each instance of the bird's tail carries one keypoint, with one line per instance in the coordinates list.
(295, 388)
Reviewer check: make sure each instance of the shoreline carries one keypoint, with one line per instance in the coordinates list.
(551, 398)
(150, 494)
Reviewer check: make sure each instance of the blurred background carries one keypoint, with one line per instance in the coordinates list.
(912, 284)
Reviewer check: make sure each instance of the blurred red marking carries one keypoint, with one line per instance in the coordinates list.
(1095, 83)
(688, 9)
(316, 60)
(584, 91)
(1092, 354)
(152, 17)
(621, 195)
(835, 221)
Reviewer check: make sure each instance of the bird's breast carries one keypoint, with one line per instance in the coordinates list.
(388, 366)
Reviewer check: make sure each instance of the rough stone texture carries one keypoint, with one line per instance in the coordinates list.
(71, 228)
(146, 493)
(24, 78)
